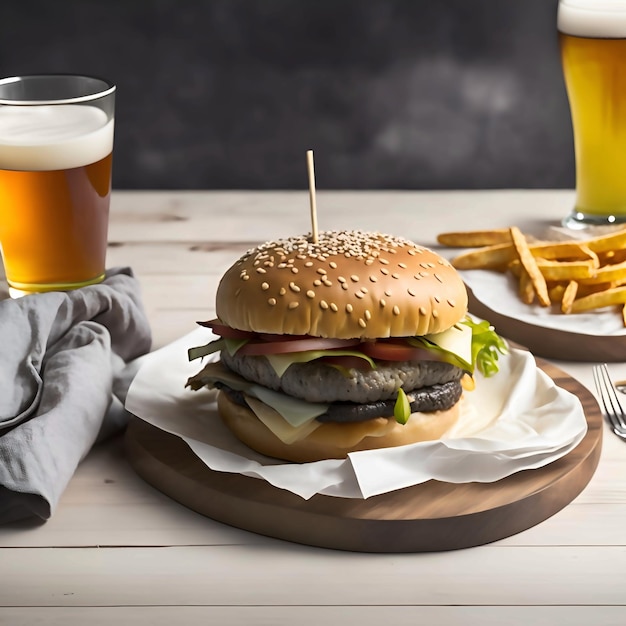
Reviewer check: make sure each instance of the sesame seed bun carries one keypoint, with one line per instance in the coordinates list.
(348, 284)
(334, 441)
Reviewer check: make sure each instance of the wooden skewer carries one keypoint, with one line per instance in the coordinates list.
(311, 170)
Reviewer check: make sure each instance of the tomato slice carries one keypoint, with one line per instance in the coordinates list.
(295, 345)
(226, 331)
(392, 351)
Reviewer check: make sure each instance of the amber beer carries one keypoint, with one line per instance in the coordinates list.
(55, 186)
(592, 37)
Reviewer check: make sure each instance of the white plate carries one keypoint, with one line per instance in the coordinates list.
(597, 336)
(516, 420)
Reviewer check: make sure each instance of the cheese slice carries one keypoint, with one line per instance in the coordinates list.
(294, 410)
(457, 340)
(277, 424)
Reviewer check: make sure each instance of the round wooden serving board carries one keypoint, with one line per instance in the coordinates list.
(429, 517)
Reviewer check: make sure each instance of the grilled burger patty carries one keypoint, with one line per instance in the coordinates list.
(317, 382)
(436, 398)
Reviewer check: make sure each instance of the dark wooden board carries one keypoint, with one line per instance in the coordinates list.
(433, 516)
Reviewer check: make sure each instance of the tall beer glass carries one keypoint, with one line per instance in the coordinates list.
(56, 143)
(592, 37)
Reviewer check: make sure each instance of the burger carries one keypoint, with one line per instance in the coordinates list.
(352, 341)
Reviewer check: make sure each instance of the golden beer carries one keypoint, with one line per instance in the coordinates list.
(55, 185)
(592, 38)
(53, 225)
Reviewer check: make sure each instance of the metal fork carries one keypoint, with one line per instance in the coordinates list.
(610, 402)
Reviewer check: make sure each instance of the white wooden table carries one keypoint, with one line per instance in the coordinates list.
(118, 551)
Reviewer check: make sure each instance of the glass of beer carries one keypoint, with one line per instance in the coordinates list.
(56, 143)
(592, 39)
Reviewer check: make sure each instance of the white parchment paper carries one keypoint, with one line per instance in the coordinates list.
(516, 420)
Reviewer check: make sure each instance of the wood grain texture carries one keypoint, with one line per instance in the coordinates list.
(434, 516)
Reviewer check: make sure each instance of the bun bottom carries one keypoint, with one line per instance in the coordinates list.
(334, 440)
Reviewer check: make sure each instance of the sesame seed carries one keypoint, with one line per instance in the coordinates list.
(396, 310)
(362, 322)
(294, 287)
(245, 277)
(308, 264)
(437, 299)
(394, 275)
(261, 270)
(368, 315)
(364, 290)
(281, 265)
(422, 311)
(354, 278)
(333, 265)
(327, 282)
(452, 303)
(282, 291)
(359, 295)
(388, 293)
(349, 308)
(317, 282)
(301, 256)
(265, 286)
(321, 270)
(295, 270)
(435, 314)
(334, 307)
(411, 291)
(293, 305)
(344, 286)
(323, 304)
(402, 265)
(272, 301)
(411, 252)
(341, 279)
(373, 279)
(438, 278)
(310, 294)
(383, 302)
(384, 271)
(384, 261)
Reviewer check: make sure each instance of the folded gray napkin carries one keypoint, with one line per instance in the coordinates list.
(65, 365)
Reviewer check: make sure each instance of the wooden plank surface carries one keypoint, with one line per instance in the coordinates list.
(117, 550)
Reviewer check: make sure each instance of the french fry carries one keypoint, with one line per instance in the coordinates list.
(555, 292)
(608, 273)
(530, 265)
(599, 300)
(576, 276)
(475, 238)
(489, 257)
(569, 295)
(526, 287)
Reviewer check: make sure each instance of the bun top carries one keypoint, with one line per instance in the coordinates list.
(349, 284)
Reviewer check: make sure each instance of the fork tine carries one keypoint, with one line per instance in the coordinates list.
(606, 390)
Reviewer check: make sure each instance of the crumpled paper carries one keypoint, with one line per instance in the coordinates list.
(516, 420)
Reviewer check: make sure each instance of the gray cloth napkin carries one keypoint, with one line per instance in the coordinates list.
(65, 366)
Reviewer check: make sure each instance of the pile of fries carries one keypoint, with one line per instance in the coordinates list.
(577, 276)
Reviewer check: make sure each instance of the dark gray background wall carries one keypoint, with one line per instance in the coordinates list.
(404, 94)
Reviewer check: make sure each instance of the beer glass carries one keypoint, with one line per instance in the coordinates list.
(56, 143)
(592, 38)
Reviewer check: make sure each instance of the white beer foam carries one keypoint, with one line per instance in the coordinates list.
(592, 18)
(56, 137)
